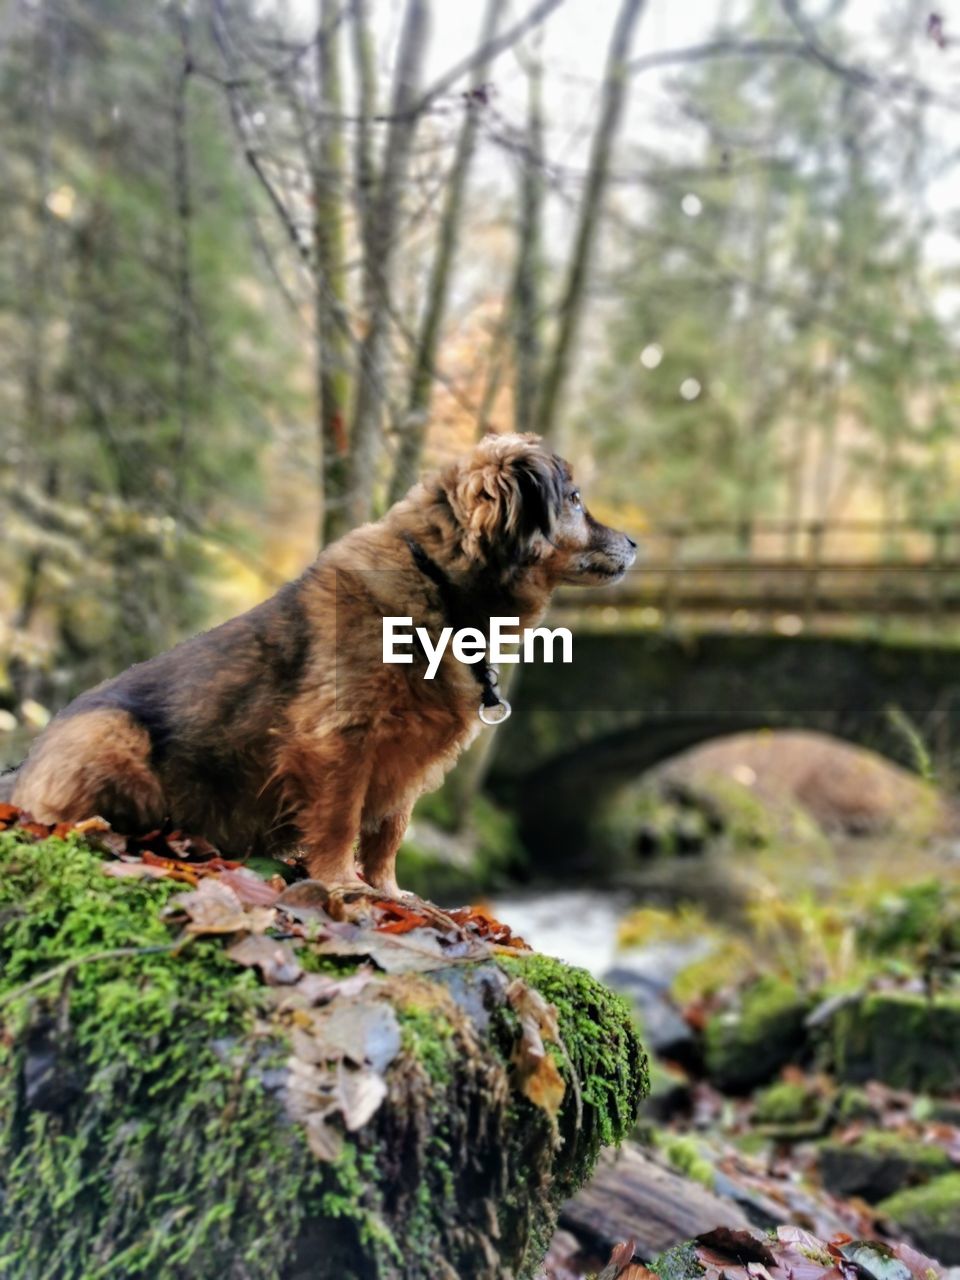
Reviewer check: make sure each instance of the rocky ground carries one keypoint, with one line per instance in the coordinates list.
(804, 1023)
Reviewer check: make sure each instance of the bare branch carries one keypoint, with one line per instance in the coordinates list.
(730, 47)
(484, 55)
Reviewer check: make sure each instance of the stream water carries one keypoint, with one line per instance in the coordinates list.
(580, 926)
(576, 925)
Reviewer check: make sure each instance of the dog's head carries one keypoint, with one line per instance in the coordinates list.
(518, 506)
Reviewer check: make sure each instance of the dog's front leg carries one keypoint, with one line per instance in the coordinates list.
(329, 785)
(379, 841)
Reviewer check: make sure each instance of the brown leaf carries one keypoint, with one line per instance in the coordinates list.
(91, 825)
(213, 907)
(134, 871)
(365, 1031)
(276, 960)
(923, 1268)
(249, 887)
(621, 1265)
(479, 922)
(320, 988)
(741, 1246)
(419, 951)
(537, 1075)
(304, 896)
(187, 846)
(395, 917)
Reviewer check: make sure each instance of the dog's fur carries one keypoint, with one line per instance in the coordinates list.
(283, 728)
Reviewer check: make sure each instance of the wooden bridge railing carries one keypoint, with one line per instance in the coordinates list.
(797, 570)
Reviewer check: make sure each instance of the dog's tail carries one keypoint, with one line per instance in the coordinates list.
(8, 780)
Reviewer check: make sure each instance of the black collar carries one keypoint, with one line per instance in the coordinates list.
(457, 615)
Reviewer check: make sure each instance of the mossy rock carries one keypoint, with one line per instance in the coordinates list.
(748, 1044)
(791, 1110)
(914, 920)
(907, 1041)
(930, 1215)
(878, 1165)
(853, 1103)
(146, 1126)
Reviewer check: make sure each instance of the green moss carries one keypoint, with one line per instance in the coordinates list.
(679, 1263)
(787, 1103)
(852, 1104)
(428, 1037)
(492, 851)
(879, 1142)
(937, 1204)
(930, 1215)
(747, 1045)
(878, 1165)
(905, 1040)
(159, 1145)
(603, 1051)
(119, 1175)
(686, 1157)
(912, 920)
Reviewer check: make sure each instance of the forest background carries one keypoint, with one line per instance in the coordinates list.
(259, 264)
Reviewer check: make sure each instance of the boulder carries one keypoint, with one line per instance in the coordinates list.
(749, 1043)
(221, 1080)
(879, 1164)
(930, 1215)
(791, 1110)
(905, 1039)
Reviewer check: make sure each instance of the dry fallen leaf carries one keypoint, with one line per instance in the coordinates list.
(249, 887)
(538, 1076)
(359, 1094)
(742, 1246)
(323, 1139)
(213, 907)
(134, 871)
(275, 959)
(365, 1031)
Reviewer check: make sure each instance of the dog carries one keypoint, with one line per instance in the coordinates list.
(283, 730)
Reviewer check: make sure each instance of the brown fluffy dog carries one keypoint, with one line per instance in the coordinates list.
(283, 728)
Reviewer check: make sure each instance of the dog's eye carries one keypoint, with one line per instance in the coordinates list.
(575, 500)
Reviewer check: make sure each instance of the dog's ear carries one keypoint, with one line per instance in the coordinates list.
(539, 480)
(506, 494)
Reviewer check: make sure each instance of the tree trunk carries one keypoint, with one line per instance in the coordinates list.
(330, 306)
(366, 432)
(615, 85)
(36, 424)
(364, 72)
(421, 383)
(527, 302)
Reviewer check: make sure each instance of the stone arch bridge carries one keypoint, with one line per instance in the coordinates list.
(631, 699)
